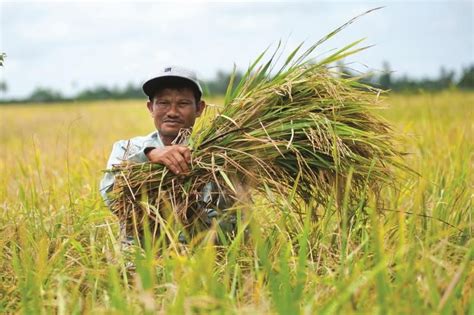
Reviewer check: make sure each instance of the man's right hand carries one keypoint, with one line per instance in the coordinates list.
(175, 157)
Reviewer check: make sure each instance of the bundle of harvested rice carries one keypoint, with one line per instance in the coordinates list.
(301, 128)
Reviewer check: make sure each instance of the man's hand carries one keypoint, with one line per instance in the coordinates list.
(175, 157)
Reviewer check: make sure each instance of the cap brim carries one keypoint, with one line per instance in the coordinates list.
(152, 85)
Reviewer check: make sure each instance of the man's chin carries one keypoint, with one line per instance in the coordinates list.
(169, 132)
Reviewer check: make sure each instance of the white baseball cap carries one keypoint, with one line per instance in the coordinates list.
(170, 73)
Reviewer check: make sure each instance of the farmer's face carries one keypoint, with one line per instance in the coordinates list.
(172, 110)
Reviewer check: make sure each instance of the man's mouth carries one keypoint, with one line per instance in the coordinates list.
(173, 122)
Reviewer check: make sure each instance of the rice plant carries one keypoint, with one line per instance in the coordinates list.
(298, 126)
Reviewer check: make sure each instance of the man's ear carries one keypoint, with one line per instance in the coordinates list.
(200, 108)
(149, 104)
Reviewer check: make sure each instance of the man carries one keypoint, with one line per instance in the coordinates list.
(174, 102)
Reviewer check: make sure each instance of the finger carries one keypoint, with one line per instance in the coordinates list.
(181, 162)
(187, 155)
(177, 163)
(185, 152)
(170, 163)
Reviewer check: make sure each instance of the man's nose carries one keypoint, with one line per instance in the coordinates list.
(173, 111)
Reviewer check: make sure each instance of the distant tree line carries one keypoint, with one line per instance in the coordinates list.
(445, 80)
(218, 86)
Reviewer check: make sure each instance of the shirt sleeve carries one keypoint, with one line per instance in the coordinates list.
(138, 157)
(107, 182)
(117, 156)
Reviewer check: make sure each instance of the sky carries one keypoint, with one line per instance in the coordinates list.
(73, 45)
